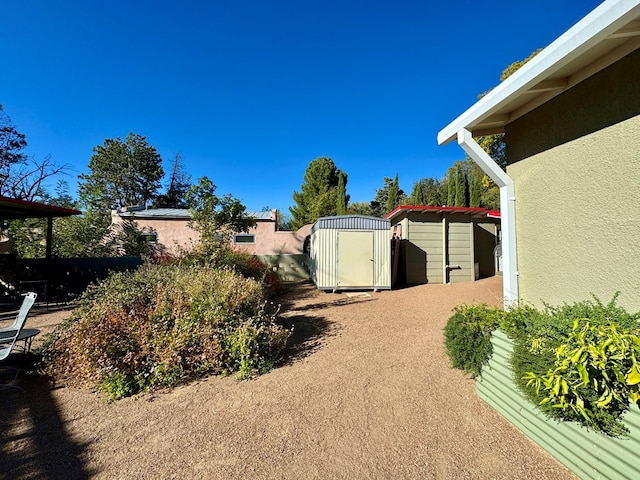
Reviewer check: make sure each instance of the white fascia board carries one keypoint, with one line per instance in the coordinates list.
(591, 30)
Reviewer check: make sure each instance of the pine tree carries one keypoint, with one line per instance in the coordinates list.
(475, 191)
(341, 194)
(393, 200)
(122, 173)
(318, 193)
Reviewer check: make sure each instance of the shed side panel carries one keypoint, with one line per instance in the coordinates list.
(326, 259)
(382, 259)
(424, 255)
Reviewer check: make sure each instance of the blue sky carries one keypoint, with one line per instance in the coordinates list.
(249, 92)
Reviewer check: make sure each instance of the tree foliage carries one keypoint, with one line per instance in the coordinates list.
(341, 194)
(360, 208)
(380, 204)
(494, 145)
(428, 191)
(393, 199)
(469, 186)
(179, 185)
(320, 194)
(122, 173)
(215, 217)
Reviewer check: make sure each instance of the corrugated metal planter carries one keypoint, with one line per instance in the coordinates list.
(351, 252)
(589, 454)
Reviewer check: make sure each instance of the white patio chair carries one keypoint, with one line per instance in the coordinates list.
(10, 334)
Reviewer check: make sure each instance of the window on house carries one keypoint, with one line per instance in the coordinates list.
(148, 237)
(244, 238)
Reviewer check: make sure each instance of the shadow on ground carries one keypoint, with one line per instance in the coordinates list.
(306, 321)
(33, 439)
(307, 335)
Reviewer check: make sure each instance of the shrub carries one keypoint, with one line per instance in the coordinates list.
(221, 255)
(539, 336)
(164, 324)
(468, 336)
(575, 362)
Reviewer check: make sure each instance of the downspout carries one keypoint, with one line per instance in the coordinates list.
(507, 214)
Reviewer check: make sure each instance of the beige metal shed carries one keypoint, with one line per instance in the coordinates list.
(351, 252)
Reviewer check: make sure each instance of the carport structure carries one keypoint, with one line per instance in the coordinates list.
(18, 275)
(12, 209)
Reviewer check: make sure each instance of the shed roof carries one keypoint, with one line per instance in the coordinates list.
(12, 208)
(607, 34)
(351, 222)
(474, 212)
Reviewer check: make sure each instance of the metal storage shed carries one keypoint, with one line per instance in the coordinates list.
(351, 252)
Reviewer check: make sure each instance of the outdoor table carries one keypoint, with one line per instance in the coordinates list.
(26, 336)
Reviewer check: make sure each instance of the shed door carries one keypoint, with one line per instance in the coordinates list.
(355, 259)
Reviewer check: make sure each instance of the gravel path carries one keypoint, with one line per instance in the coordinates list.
(368, 393)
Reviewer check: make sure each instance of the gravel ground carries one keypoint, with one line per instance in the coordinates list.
(367, 393)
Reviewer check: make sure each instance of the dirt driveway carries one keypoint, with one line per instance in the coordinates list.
(367, 394)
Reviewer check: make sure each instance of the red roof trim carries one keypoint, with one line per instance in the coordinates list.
(436, 209)
(40, 207)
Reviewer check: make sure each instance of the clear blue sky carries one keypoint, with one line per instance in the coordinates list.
(250, 91)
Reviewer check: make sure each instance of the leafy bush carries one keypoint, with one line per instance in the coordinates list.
(468, 336)
(221, 255)
(575, 362)
(596, 374)
(539, 336)
(163, 324)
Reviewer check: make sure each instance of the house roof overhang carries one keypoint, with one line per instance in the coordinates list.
(473, 212)
(11, 208)
(607, 34)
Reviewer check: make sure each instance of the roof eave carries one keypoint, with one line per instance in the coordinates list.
(533, 77)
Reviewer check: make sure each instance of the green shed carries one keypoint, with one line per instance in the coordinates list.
(443, 244)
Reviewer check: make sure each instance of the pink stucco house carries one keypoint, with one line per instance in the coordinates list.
(170, 228)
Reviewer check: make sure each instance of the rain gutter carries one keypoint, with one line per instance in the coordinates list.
(507, 213)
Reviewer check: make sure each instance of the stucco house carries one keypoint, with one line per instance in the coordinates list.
(570, 195)
(169, 227)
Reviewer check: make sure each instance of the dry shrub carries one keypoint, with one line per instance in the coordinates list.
(164, 324)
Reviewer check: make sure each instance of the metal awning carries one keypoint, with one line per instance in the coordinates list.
(11, 208)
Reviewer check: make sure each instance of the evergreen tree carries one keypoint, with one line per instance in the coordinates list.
(451, 187)
(361, 208)
(122, 173)
(341, 196)
(381, 201)
(428, 191)
(475, 191)
(393, 200)
(461, 188)
(179, 185)
(318, 196)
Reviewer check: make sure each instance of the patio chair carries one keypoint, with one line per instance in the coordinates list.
(27, 303)
(11, 334)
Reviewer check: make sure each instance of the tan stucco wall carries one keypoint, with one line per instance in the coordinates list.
(610, 97)
(272, 242)
(578, 218)
(175, 234)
